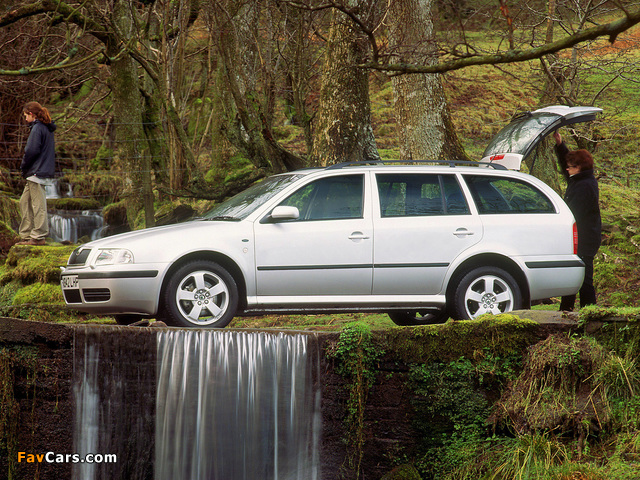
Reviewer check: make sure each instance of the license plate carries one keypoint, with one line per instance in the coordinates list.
(69, 281)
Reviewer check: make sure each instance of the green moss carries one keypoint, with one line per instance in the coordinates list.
(9, 209)
(451, 406)
(39, 293)
(105, 187)
(73, 204)
(503, 334)
(595, 312)
(556, 390)
(356, 355)
(29, 265)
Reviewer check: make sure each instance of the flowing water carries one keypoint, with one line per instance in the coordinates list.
(70, 225)
(226, 405)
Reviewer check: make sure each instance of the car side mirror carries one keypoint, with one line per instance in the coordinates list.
(285, 213)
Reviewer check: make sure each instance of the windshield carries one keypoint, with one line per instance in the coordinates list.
(520, 133)
(243, 204)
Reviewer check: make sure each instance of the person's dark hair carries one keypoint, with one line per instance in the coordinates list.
(581, 158)
(38, 111)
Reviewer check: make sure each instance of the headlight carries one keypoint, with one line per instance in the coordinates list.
(113, 256)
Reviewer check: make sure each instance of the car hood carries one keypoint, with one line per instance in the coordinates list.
(162, 243)
(526, 130)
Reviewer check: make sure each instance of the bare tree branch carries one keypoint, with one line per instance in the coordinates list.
(611, 30)
(66, 63)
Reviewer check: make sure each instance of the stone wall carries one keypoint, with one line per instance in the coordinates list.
(38, 402)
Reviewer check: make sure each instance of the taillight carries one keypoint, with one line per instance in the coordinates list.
(575, 238)
(496, 157)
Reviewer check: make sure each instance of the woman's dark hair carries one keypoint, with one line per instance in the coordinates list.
(581, 158)
(38, 111)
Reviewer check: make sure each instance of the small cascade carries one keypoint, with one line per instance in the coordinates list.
(70, 225)
(114, 395)
(234, 405)
(196, 404)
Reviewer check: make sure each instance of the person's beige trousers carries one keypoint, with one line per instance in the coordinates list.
(33, 206)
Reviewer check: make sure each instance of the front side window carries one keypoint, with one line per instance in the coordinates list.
(329, 198)
(409, 195)
(507, 195)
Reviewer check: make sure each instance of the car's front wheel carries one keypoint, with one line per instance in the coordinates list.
(201, 294)
(486, 290)
(418, 317)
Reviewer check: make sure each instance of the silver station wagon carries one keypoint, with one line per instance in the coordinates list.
(420, 242)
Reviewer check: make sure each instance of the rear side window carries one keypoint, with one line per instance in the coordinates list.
(507, 195)
(410, 195)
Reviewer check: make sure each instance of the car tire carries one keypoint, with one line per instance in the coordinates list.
(414, 318)
(126, 318)
(200, 294)
(486, 290)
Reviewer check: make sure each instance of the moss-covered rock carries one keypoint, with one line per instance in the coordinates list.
(9, 211)
(28, 264)
(504, 334)
(115, 217)
(103, 186)
(73, 204)
(7, 238)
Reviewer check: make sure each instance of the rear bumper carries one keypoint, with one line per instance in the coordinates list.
(554, 278)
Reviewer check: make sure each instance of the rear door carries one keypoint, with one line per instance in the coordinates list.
(423, 222)
(523, 134)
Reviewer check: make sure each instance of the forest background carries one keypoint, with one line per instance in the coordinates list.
(166, 107)
(171, 106)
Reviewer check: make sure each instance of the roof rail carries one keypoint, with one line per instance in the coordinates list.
(451, 163)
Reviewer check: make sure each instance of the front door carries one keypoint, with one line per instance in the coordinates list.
(328, 250)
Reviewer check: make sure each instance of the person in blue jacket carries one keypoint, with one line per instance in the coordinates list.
(38, 165)
(582, 197)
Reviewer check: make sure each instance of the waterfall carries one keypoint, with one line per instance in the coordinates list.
(70, 225)
(114, 395)
(225, 405)
(236, 406)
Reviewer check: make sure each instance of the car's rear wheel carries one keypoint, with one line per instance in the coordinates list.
(201, 294)
(418, 317)
(486, 290)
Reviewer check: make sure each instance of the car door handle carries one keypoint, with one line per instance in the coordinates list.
(358, 236)
(461, 232)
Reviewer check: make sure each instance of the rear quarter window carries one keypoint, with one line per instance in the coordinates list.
(500, 195)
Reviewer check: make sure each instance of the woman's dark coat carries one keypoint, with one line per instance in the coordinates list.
(582, 196)
(39, 154)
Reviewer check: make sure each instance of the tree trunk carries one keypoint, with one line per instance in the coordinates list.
(128, 109)
(425, 127)
(342, 130)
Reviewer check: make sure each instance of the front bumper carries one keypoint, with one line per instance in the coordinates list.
(113, 290)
